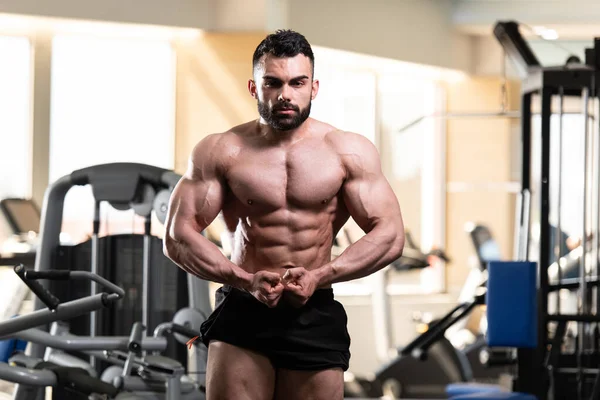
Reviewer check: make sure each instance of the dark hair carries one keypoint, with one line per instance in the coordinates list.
(283, 43)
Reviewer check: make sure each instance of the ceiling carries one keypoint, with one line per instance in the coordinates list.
(570, 19)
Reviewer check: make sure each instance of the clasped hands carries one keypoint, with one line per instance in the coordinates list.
(297, 285)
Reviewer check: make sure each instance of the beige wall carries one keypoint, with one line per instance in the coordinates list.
(180, 13)
(418, 31)
(212, 96)
(480, 158)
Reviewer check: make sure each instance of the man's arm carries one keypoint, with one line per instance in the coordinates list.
(374, 206)
(196, 201)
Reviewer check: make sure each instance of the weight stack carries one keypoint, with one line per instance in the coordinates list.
(120, 260)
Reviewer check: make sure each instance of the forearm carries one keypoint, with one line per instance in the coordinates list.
(199, 256)
(374, 251)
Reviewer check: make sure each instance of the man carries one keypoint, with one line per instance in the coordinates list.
(285, 185)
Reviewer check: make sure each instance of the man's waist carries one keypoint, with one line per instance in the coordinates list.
(319, 295)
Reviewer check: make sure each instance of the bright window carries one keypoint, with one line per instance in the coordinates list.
(15, 107)
(113, 100)
(346, 99)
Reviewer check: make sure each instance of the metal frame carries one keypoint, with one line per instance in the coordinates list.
(536, 366)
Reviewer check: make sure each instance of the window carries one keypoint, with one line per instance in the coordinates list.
(376, 98)
(571, 171)
(346, 99)
(113, 100)
(15, 107)
(411, 152)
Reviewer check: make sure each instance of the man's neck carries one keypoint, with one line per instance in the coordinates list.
(283, 137)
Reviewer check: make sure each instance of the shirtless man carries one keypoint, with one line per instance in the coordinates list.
(285, 185)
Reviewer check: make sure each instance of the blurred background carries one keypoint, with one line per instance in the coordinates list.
(85, 82)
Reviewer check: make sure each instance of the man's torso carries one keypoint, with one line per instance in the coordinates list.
(283, 202)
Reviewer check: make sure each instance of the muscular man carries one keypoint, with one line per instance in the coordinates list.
(285, 184)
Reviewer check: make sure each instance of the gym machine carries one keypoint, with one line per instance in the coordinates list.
(31, 377)
(555, 368)
(157, 290)
(19, 229)
(141, 376)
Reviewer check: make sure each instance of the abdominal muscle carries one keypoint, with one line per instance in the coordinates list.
(279, 242)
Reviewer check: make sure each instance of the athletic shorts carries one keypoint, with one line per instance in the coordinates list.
(310, 338)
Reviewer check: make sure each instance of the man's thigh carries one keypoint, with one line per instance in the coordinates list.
(327, 384)
(234, 373)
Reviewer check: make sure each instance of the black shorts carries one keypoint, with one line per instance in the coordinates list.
(310, 338)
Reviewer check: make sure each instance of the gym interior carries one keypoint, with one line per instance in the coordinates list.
(484, 113)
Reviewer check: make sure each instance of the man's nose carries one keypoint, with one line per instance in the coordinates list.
(285, 94)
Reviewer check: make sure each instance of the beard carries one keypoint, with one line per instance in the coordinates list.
(283, 122)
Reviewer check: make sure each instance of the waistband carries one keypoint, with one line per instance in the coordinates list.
(325, 294)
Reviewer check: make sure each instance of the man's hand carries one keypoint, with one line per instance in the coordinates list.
(266, 287)
(300, 284)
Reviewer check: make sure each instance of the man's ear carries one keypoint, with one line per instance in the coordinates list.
(315, 89)
(252, 88)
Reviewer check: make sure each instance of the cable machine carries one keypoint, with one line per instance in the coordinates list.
(557, 369)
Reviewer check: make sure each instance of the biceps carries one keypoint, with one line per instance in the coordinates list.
(370, 201)
(194, 205)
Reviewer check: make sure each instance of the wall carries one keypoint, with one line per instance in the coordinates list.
(477, 13)
(481, 169)
(213, 71)
(179, 13)
(418, 31)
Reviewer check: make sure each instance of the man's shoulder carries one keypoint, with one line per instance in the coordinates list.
(356, 152)
(214, 143)
(347, 141)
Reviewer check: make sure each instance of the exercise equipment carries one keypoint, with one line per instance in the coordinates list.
(156, 288)
(417, 378)
(10, 346)
(555, 368)
(154, 374)
(494, 396)
(146, 375)
(28, 379)
(19, 229)
(511, 319)
(510, 316)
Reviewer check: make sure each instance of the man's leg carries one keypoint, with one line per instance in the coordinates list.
(310, 385)
(234, 373)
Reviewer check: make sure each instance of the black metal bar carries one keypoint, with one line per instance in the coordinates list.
(596, 389)
(544, 257)
(526, 142)
(437, 330)
(554, 354)
(424, 346)
(575, 371)
(528, 362)
(515, 47)
(573, 318)
(573, 283)
(51, 301)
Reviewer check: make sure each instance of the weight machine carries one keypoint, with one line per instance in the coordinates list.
(557, 369)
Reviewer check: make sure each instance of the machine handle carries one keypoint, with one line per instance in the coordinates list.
(57, 275)
(42, 293)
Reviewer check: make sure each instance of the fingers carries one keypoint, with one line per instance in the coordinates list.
(270, 295)
(293, 274)
(271, 277)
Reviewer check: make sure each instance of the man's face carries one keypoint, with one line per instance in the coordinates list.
(284, 89)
